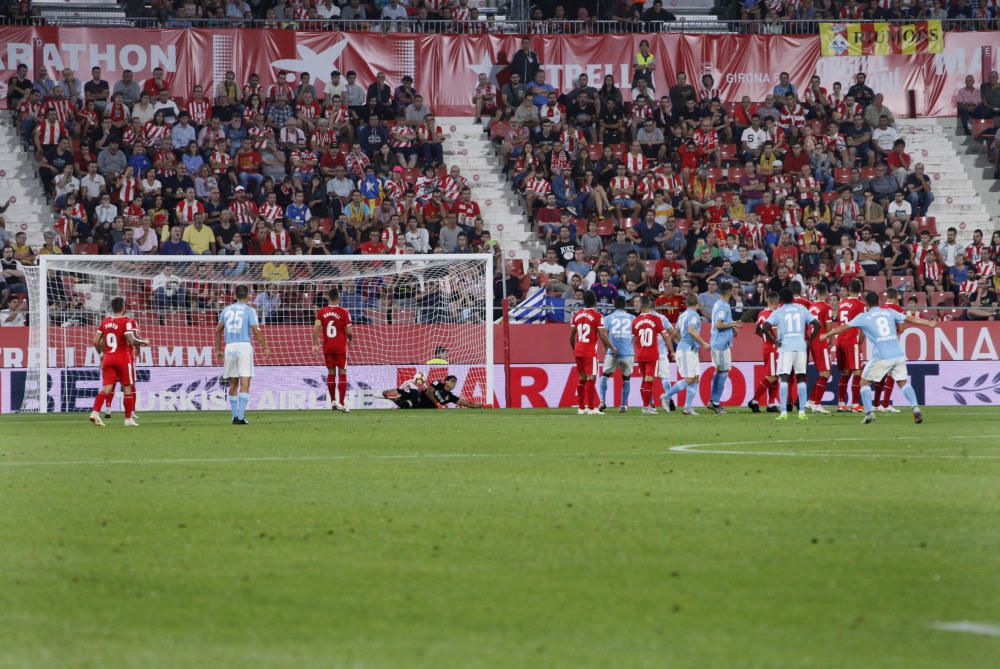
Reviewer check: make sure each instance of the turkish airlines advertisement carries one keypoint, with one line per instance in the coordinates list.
(953, 364)
(445, 67)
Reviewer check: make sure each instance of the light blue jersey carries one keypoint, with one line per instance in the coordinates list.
(238, 319)
(879, 327)
(688, 319)
(668, 327)
(619, 328)
(791, 321)
(721, 339)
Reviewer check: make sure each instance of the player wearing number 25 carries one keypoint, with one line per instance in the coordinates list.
(114, 340)
(236, 323)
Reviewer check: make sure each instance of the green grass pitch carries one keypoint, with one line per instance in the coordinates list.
(500, 539)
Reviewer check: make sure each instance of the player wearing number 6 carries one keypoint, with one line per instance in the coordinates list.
(879, 328)
(114, 340)
(791, 320)
(236, 323)
(333, 325)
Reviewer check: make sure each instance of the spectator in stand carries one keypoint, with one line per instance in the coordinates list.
(525, 62)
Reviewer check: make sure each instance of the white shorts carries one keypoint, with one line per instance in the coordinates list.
(792, 362)
(722, 359)
(688, 365)
(239, 360)
(663, 368)
(626, 364)
(876, 370)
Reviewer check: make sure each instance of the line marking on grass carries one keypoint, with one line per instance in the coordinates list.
(713, 449)
(967, 627)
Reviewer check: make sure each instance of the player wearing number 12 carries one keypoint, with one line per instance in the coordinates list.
(586, 329)
(114, 340)
(333, 325)
(236, 323)
(792, 321)
(879, 327)
(647, 327)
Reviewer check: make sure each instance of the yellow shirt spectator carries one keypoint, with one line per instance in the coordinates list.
(201, 238)
(274, 272)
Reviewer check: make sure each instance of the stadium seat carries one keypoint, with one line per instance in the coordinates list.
(867, 172)
(499, 130)
(682, 224)
(85, 249)
(842, 175)
(727, 197)
(606, 227)
(650, 267)
(982, 127)
(515, 267)
(762, 266)
(716, 173)
(828, 196)
(903, 283)
(875, 283)
(629, 223)
(410, 175)
(921, 298)
(728, 152)
(595, 151)
(619, 150)
(944, 299)
(734, 174)
(581, 226)
(926, 223)
(326, 224)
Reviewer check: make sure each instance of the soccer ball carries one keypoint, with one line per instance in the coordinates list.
(419, 379)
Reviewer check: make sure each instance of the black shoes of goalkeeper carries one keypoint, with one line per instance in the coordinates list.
(754, 406)
(240, 421)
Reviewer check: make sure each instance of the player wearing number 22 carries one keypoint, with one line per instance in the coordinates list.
(115, 338)
(586, 329)
(792, 321)
(879, 327)
(333, 325)
(237, 323)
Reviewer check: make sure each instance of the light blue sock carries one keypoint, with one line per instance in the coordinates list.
(802, 396)
(689, 398)
(626, 389)
(783, 395)
(244, 399)
(713, 387)
(721, 385)
(911, 395)
(234, 406)
(602, 388)
(677, 387)
(866, 398)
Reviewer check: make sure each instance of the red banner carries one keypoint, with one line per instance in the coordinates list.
(445, 67)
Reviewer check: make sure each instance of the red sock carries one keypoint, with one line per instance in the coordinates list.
(842, 389)
(581, 394)
(887, 385)
(856, 389)
(99, 401)
(819, 389)
(646, 392)
(342, 387)
(331, 387)
(129, 401)
(772, 392)
(592, 400)
(793, 388)
(760, 394)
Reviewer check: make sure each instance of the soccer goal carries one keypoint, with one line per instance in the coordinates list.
(414, 313)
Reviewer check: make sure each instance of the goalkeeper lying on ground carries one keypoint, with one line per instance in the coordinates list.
(435, 396)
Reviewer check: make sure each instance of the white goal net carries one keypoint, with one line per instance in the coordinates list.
(411, 313)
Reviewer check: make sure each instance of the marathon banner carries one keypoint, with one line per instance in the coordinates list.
(445, 68)
(881, 39)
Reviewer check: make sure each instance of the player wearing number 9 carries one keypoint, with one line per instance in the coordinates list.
(236, 323)
(115, 338)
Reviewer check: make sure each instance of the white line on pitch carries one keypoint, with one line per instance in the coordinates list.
(968, 627)
(712, 449)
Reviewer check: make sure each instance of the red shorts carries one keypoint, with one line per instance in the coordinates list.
(586, 365)
(770, 363)
(821, 357)
(335, 359)
(647, 368)
(117, 371)
(848, 357)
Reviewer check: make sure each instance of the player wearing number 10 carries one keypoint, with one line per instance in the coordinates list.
(791, 320)
(879, 327)
(114, 340)
(333, 324)
(236, 323)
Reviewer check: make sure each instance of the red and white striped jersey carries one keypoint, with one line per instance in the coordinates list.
(975, 252)
(807, 185)
(812, 236)
(133, 215)
(117, 113)
(245, 212)
(844, 268)
(281, 241)
(553, 112)
(394, 189)
(424, 133)
(304, 159)
(259, 135)
(198, 110)
(220, 160)
(65, 109)
(538, 186)
(622, 186)
(673, 184)
(847, 111)
(753, 235)
(167, 161)
(970, 288)
(425, 186)
(127, 189)
(461, 13)
(833, 142)
(816, 97)
(706, 140)
(50, 133)
(28, 109)
(560, 161)
(78, 211)
(389, 237)
(635, 163)
(777, 137)
(451, 188)
(311, 110)
(466, 211)
(268, 211)
(356, 163)
(986, 268)
(280, 88)
(153, 133)
(931, 271)
(792, 117)
(571, 139)
(402, 137)
(917, 253)
(705, 93)
(186, 209)
(339, 116)
(323, 138)
(488, 93)
(89, 117)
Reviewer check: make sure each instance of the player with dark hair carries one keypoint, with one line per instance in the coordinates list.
(792, 322)
(586, 329)
(884, 388)
(819, 350)
(238, 325)
(767, 389)
(437, 395)
(721, 342)
(880, 329)
(689, 340)
(849, 349)
(115, 337)
(618, 325)
(647, 329)
(333, 326)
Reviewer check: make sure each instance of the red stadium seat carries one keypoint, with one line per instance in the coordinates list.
(875, 283)
(629, 223)
(595, 151)
(85, 249)
(326, 224)
(734, 174)
(682, 224)
(867, 172)
(817, 126)
(581, 226)
(410, 175)
(606, 227)
(926, 223)
(515, 267)
(716, 173)
(903, 283)
(619, 150)
(762, 266)
(728, 152)
(842, 175)
(650, 267)
(942, 299)
(499, 130)
(921, 298)
(982, 127)
(828, 196)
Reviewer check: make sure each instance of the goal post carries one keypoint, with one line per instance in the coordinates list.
(413, 313)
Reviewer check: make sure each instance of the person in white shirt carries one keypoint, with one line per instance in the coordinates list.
(105, 213)
(900, 210)
(66, 184)
(948, 249)
(143, 109)
(417, 237)
(884, 136)
(395, 12)
(92, 184)
(328, 10)
(753, 138)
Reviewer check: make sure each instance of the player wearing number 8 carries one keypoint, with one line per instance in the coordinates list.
(236, 324)
(879, 328)
(333, 325)
(114, 341)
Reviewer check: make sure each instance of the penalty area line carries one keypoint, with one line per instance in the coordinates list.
(717, 448)
(967, 627)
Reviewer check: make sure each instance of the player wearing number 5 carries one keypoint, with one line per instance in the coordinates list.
(236, 324)
(586, 329)
(333, 325)
(114, 341)
(879, 328)
(791, 320)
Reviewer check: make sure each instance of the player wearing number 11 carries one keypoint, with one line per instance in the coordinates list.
(888, 358)
(791, 320)
(333, 324)
(236, 323)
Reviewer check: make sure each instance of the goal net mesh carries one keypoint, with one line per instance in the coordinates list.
(419, 314)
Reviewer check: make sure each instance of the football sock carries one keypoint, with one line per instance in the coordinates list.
(783, 395)
(689, 398)
(99, 401)
(712, 386)
(331, 387)
(592, 402)
(802, 393)
(603, 389)
(842, 389)
(720, 385)
(887, 387)
(243, 400)
(129, 401)
(234, 405)
(772, 392)
(646, 392)
(856, 387)
(342, 387)
(626, 389)
(793, 389)
(677, 387)
(820, 389)
(108, 399)
(761, 393)
(911, 395)
(581, 394)
(866, 398)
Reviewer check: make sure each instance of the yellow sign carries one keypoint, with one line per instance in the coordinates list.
(880, 39)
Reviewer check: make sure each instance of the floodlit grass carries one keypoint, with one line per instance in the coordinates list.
(499, 539)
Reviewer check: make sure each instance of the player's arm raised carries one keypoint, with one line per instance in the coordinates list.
(259, 336)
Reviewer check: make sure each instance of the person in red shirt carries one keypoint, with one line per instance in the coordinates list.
(586, 328)
(819, 350)
(333, 327)
(767, 389)
(374, 245)
(884, 387)
(114, 340)
(248, 166)
(670, 303)
(465, 208)
(849, 349)
(646, 328)
(767, 210)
